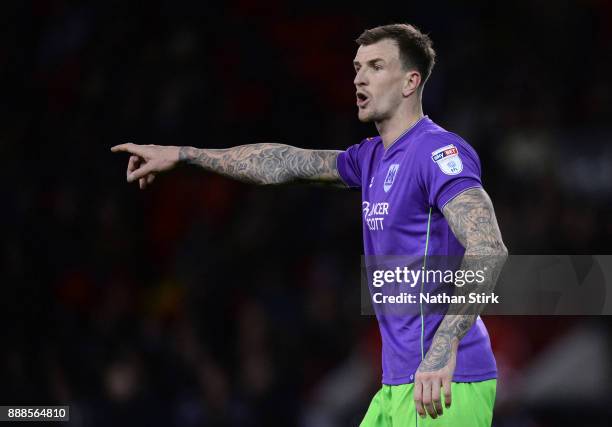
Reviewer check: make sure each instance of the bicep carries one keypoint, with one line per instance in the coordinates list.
(471, 217)
(318, 166)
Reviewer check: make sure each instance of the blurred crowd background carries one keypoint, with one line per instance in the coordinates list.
(206, 302)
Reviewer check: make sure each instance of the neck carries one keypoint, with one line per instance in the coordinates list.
(404, 118)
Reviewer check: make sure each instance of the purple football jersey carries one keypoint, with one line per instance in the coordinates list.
(402, 189)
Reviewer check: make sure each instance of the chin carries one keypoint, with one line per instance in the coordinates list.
(364, 116)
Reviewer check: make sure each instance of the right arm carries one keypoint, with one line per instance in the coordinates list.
(267, 163)
(263, 164)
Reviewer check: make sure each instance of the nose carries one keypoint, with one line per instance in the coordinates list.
(360, 79)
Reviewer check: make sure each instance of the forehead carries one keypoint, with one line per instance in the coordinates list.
(386, 49)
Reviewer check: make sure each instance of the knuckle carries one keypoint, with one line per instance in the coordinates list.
(427, 376)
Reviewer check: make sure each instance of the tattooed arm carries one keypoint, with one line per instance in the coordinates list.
(263, 164)
(471, 217)
(267, 163)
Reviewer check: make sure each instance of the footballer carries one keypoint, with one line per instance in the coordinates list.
(421, 195)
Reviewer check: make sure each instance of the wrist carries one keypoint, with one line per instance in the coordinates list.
(186, 154)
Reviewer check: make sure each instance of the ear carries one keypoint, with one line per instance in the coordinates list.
(412, 80)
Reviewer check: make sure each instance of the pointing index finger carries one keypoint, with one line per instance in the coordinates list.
(128, 148)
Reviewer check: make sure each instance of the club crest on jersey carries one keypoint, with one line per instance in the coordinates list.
(390, 177)
(447, 158)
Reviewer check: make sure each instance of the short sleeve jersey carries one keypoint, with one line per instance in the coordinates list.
(404, 189)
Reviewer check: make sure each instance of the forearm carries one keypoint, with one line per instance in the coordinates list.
(461, 316)
(472, 219)
(266, 163)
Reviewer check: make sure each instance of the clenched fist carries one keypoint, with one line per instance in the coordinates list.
(147, 160)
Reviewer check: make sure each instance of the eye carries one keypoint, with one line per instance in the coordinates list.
(378, 67)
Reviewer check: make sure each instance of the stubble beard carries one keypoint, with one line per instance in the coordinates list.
(362, 118)
(368, 115)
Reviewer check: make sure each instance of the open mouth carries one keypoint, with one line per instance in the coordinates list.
(362, 99)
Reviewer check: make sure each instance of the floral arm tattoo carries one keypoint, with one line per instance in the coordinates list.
(267, 163)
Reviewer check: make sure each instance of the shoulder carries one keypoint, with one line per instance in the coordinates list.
(435, 140)
(370, 142)
(366, 146)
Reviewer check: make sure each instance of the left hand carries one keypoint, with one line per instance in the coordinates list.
(435, 372)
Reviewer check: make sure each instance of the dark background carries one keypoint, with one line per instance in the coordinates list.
(206, 302)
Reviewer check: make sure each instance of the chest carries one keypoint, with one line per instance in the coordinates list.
(392, 195)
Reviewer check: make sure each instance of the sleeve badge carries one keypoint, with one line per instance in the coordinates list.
(447, 158)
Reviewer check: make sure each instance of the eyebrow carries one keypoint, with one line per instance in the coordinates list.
(370, 62)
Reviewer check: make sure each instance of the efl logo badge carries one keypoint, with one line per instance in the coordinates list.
(448, 159)
(390, 176)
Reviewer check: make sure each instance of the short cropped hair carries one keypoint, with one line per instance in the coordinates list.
(415, 48)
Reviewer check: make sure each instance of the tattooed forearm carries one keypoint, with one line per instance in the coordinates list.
(472, 219)
(267, 163)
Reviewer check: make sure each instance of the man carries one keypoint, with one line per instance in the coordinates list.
(422, 194)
